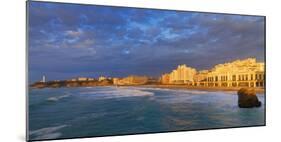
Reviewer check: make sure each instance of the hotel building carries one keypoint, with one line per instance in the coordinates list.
(239, 73)
(181, 75)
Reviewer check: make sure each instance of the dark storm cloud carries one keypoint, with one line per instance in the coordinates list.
(73, 40)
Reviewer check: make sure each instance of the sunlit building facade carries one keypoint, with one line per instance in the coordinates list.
(82, 79)
(131, 80)
(165, 78)
(181, 75)
(200, 78)
(239, 73)
(101, 78)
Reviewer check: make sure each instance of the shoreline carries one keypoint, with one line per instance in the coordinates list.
(170, 86)
(185, 87)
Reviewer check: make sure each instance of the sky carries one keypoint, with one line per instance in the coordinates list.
(70, 40)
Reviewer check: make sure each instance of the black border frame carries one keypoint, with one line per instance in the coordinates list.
(158, 132)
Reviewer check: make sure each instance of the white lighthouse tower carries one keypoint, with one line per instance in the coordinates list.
(43, 79)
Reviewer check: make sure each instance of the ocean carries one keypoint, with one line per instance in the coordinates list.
(100, 111)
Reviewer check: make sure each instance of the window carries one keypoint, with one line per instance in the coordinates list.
(261, 84)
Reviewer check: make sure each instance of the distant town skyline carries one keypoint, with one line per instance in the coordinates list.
(67, 40)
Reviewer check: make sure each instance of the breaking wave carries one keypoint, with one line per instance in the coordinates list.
(47, 133)
(174, 90)
(57, 98)
(117, 93)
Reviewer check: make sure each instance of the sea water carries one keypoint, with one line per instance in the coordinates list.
(99, 111)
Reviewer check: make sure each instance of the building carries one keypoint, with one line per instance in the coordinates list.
(82, 79)
(43, 79)
(73, 79)
(131, 80)
(101, 78)
(90, 79)
(181, 75)
(200, 78)
(115, 80)
(152, 80)
(239, 73)
(165, 78)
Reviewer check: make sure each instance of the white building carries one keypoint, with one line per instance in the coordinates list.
(43, 78)
(101, 78)
(182, 74)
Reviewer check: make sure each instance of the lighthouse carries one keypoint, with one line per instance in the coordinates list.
(43, 79)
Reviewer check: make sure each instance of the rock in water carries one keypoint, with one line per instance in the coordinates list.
(247, 98)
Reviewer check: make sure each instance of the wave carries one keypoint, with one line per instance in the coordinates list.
(57, 98)
(117, 93)
(47, 133)
(173, 90)
(186, 91)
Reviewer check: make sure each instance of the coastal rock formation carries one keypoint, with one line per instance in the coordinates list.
(38, 85)
(247, 98)
(65, 83)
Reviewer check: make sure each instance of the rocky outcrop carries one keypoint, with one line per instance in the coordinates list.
(247, 98)
(38, 85)
(63, 83)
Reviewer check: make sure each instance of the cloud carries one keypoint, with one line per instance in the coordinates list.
(68, 40)
(73, 33)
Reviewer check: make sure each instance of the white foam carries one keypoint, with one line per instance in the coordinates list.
(174, 90)
(57, 98)
(117, 93)
(47, 133)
